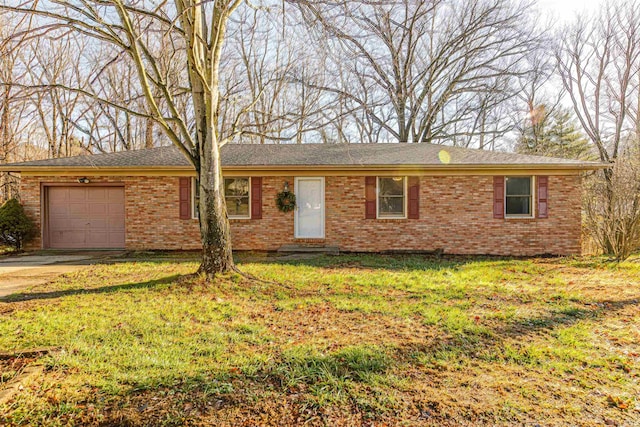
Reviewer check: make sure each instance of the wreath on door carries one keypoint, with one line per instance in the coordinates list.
(286, 201)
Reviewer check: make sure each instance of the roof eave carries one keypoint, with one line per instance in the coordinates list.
(97, 170)
(186, 170)
(510, 166)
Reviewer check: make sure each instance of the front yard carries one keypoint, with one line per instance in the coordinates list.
(335, 341)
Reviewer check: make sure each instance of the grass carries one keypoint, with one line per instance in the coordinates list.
(6, 250)
(348, 340)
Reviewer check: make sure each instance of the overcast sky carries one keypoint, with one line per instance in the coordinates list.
(565, 10)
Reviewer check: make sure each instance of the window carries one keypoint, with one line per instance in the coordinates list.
(518, 196)
(391, 197)
(195, 198)
(236, 193)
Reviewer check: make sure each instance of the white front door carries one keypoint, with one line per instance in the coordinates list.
(309, 218)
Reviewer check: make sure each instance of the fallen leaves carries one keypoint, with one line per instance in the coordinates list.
(618, 402)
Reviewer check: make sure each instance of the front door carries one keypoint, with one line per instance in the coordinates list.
(309, 218)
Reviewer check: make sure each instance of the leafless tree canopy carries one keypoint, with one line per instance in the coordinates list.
(416, 71)
(320, 71)
(599, 64)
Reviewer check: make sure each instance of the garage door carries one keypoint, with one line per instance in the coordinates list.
(85, 217)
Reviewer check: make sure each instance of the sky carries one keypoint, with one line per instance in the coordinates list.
(565, 10)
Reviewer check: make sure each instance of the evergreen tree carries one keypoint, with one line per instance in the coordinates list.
(15, 226)
(553, 134)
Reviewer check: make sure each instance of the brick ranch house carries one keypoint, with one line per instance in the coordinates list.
(357, 197)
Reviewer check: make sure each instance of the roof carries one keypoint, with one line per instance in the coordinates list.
(311, 155)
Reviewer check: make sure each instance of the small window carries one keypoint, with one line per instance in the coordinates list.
(236, 193)
(518, 196)
(195, 198)
(391, 197)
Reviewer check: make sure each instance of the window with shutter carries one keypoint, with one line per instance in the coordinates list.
(242, 202)
(237, 196)
(392, 197)
(518, 197)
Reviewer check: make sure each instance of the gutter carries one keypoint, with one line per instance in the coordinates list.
(137, 170)
(314, 170)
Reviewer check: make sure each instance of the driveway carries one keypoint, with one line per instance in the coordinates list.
(24, 271)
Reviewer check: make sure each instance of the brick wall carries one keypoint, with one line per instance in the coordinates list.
(456, 216)
(152, 217)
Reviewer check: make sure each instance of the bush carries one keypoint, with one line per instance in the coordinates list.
(15, 227)
(612, 208)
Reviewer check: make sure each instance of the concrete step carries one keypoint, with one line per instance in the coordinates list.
(334, 250)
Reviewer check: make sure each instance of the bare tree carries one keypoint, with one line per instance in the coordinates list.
(599, 64)
(255, 67)
(423, 71)
(188, 32)
(14, 106)
(55, 107)
(266, 65)
(612, 207)
(110, 128)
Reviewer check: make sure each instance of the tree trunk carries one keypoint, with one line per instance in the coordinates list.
(148, 134)
(215, 231)
(610, 240)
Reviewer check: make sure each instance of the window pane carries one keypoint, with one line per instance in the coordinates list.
(236, 191)
(519, 186)
(236, 187)
(196, 197)
(392, 186)
(518, 205)
(238, 206)
(391, 206)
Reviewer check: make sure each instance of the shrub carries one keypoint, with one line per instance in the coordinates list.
(612, 208)
(15, 227)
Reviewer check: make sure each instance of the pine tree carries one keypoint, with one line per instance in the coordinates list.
(553, 134)
(15, 226)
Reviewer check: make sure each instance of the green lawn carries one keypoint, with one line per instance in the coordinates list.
(346, 340)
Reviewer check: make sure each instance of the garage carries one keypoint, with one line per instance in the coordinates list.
(85, 217)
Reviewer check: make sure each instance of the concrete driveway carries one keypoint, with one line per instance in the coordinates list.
(23, 271)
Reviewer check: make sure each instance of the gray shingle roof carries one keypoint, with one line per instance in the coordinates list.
(330, 155)
(153, 157)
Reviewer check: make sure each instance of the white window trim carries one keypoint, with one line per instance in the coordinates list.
(533, 198)
(194, 214)
(248, 216)
(404, 195)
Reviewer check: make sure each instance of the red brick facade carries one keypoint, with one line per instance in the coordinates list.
(455, 215)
